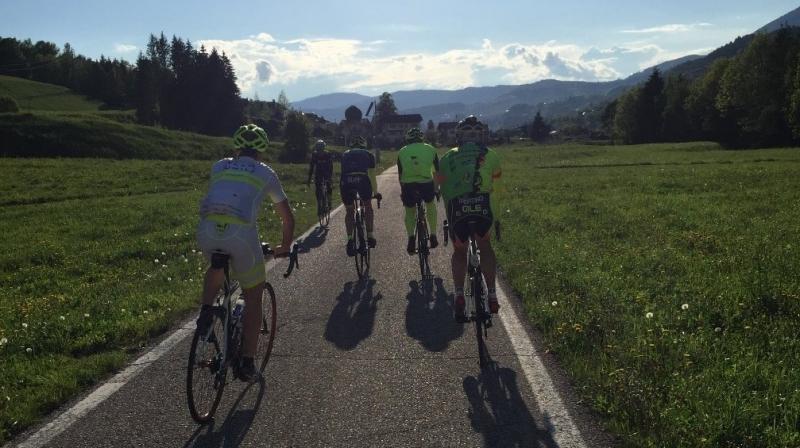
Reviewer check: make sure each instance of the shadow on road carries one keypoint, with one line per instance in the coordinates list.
(315, 239)
(429, 319)
(232, 431)
(353, 317)
(498, 411)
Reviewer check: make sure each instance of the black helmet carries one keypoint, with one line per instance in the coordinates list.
(358, 142)
(470, 129)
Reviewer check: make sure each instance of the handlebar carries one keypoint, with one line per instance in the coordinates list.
(292, 256)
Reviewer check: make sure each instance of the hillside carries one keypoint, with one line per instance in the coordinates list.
(33, 95)
(57, 122)
(791, 18)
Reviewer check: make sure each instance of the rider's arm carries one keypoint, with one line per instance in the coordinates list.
(310, 169)
(287, 221)
(371, 174)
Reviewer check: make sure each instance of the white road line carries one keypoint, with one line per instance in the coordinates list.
(561, 426)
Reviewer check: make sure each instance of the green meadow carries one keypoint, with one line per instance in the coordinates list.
(99, 257)
(665, 280)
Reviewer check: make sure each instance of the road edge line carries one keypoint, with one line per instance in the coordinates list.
(561, 426)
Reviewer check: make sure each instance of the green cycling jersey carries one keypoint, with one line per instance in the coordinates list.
(457, 170)
(417, 162)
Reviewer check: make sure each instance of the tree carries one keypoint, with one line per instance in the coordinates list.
(650, 108)
(627, 127)
(295, 149)
(383, 109)
(538, 130)
(674, 123)
(8, 104)
(283, 100)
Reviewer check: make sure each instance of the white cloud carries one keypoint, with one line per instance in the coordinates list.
(125, 48)
(669, 28)
(359, 66)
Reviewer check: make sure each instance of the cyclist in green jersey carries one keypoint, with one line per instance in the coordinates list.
(416, 164)
(466, 175)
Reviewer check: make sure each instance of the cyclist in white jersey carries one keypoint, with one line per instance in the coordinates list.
(228, 224)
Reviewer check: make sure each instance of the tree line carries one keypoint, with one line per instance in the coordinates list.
(172, 83)
(111, 81)
(750, 100)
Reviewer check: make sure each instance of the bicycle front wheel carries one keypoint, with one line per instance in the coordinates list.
(324, 210)
(269, 326)
(205, 375)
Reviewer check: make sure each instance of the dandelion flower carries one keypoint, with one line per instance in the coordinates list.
(28, 350)
(194, 251)
(717, 329)
(185, 260)
(24, 325)
(62, 317)
(144, 312)
(3, 341)
(85, 314)
(169, 279)
(123, 310)
(554, 303)
(649, 315)
(163, 253)
(685, 306)
(163, 266)
(156, 261)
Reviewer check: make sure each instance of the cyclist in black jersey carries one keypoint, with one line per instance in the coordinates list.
(321, 169)
(358, 174)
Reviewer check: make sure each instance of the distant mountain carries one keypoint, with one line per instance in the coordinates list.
(508, 106)
(640, 77)
(789, 19)
(333, 101)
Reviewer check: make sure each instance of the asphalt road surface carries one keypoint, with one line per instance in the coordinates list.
(356, 363)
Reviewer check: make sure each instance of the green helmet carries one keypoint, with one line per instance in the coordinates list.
(250, 136)
(358, 142)
(414, 135)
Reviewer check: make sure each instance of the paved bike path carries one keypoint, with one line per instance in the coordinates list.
(355, 363)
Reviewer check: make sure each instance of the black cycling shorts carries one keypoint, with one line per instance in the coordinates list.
(469, 215)
(411, 191)
(350, 183)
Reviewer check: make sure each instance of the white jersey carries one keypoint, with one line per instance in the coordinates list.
(238, 187)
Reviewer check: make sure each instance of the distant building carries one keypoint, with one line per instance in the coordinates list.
(353, 125)
(447, 133)
(394, 128)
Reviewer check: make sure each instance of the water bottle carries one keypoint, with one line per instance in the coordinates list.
(238, 309)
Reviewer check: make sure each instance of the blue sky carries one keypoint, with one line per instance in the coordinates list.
(308, 48)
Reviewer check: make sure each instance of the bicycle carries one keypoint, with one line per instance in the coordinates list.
(423, 251)
(219, 347)
(477, 306)
(323, 203)
(360, 237)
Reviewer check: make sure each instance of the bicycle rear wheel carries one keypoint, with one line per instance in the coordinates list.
(269, 319)
(362, 249)
(206, 372)
(422, 250)
(480, 318)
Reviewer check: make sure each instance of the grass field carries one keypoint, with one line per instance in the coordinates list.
(98, 257)
(665, 280)
(32, 95)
